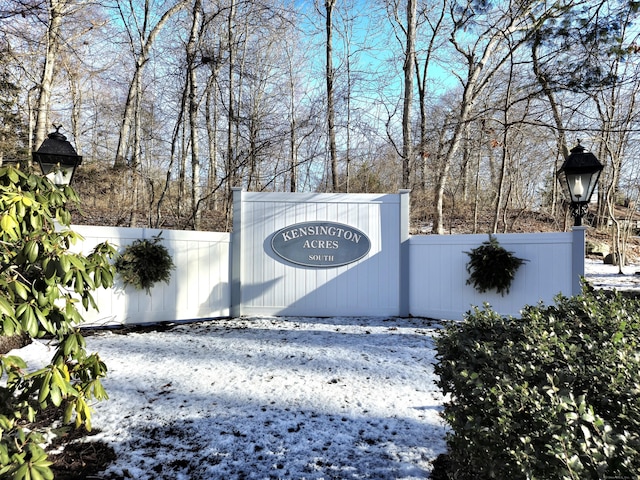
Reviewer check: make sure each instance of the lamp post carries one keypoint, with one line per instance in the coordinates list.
(57, 158)
(580, 173)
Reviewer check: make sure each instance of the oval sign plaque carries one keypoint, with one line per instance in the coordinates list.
(320, 244)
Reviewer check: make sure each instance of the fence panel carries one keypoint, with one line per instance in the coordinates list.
(438, 273)
(199, 285)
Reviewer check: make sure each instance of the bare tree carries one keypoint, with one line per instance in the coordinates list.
(550, 94)
(409, 68)
(433, 16)
(141, 39)
(329, 6)
(193, 111)
(239, 90)
(405, 32)
(52, 43)
(618, 108)
(499, 31)
(293, 126)
(231, 167)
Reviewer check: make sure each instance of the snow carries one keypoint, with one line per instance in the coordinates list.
(601, 275)
(272, 398)
(261, 398)
(277, 397)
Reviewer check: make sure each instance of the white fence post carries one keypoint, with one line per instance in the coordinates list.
(577, 259)
(405, 288)
(235, 268)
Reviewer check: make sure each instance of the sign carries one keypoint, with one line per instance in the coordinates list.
(320, 244)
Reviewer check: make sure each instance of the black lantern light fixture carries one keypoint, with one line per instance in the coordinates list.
(580, 173)
(57, 158)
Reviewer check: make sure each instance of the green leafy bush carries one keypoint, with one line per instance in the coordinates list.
(553, 395)
(491, 267)
(144, 263)
(41, 283)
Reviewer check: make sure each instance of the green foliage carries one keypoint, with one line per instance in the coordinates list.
(594, 33)
(41, 285)
(144, 263)
(492, 267)
(555, 394)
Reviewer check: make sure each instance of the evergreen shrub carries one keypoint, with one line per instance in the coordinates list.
(42, 285)
(552, 395)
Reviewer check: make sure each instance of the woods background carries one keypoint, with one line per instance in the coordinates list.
(470, 104)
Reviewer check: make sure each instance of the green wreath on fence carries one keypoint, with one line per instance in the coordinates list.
(144, 263)
(491, 267)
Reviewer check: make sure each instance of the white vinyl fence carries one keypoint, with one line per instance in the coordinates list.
(272, 286)
(438, 274)
(221, 274)
(199, 286)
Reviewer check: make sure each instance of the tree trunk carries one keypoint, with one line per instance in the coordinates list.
(293, 147)
(409, 63)
(561, 140)
(505, 152)
(52, 39)
(211, 119)
(193, 115)
(330, 77)
(131, 106)
(135, 160)
(231, 120)
(422, 93)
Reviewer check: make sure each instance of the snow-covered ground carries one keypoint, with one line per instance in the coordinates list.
(608, 277)
(277, 398)
(272, 398)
